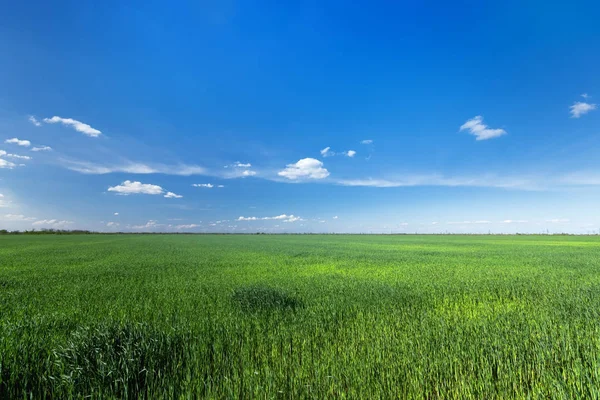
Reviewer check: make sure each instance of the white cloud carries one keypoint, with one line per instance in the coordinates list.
(282, 217)
(133, 168)
(42, 148)
(77, 125)
(238, 164)
(203, 185)
(469, 222)
(7, 164)
(188, 226)
(112, 224)
(129, 187)
(116, 213)
(438, 180)
(150, 224)
(171, 195)
(512, 221)
(580, 108)
(34, 121)
(476, 127)
(19, 142)
(53, 223)
(558, 220)
(220, 186)
(350, 153)
(326, 152)
(306, 168)
(18, 217)
(366, 141)
(248, 173)
(1, 195)
(585, 96)
(336, 217)
(14, 156)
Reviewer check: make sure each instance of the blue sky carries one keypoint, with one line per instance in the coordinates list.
(309, 117)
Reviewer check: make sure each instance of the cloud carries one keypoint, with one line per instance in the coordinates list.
(171, 195)
(350, 153)
(203, 185)
(129, 187)
(336, 217)
(133, 168)
(476, 127)
(77, 125)
(306, 168)
(366, 141)
(14, 156)
(54, 223)
(34, 121)
(469, 222)
(326, 152)
(150, 224)
(438, 180)
(248, 173)
(112, 224)
(116, 213)
(517, 221)
(585, 96)
(19, 142)
(282, 217)
(558, 220)
(220, 186)
(18, 217)
(42, 148)
(188, 226)
(7, 164)
(580, 108)
(237, 170)
(238, 164)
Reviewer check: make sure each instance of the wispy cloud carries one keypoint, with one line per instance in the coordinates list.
(133, 168)
(16, 156)
(558, 220)
(34, 121)
(439, 180)
(171, 195)
(203, 185)
(306, 168)
(42, 148)
(476, 127)
(515, 221)
(17, 217)
(53, 223)
(186, 226)
(237, 170)
(77, 125)
(282, 217)
(326, 152)
(366, 141)
(18, 142)
(580, 108)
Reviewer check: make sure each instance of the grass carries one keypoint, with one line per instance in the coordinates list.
(125, 316)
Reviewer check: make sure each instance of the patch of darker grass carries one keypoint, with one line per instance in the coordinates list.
(251, 299)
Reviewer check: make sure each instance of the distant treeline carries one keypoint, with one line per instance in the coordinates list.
(86, 232)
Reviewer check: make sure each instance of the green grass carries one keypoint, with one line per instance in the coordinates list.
(129, 316)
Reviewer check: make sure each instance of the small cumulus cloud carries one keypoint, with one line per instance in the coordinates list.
(112, 224)
(42, 148)
(18, 142)
(132, 187)
(77, 125)
(34, 121)
(580, 108)
(203, 185)
(366, 141)
(476, 127)
(350, 153)
(116, 213)
(306, 168)
(171, 195)
(336, 217)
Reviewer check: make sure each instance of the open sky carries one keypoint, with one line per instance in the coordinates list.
(310, 116)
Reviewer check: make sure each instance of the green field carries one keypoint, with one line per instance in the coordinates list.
(174, 316)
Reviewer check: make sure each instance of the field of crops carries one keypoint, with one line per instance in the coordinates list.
(171, 316)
